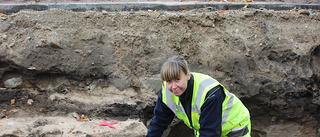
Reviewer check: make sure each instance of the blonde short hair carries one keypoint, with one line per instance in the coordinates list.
(172, 67)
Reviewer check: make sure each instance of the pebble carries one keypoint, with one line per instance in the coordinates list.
(75, 115)
(32, 68)
(104, 12)
(13, 82)
(305, 12)
(30, 102)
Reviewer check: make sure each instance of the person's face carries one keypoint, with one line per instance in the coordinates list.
(178, 86)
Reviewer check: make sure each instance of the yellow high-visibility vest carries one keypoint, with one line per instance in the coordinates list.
(235, 116)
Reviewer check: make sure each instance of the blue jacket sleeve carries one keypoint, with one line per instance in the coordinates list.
(163, 116)
(211, 114)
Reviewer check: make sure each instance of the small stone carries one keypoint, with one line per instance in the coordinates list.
(104, 12)
(32, 68)
(74, 114)
(13, 82)
(304, 12)
(30, 102)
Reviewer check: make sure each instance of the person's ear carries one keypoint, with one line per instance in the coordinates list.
(188, 75)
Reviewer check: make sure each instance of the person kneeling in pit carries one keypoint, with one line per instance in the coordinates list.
(200, 101)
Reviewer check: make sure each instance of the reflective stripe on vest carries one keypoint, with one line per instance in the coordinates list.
(170, 103)
(229, 106)
(205, 83)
